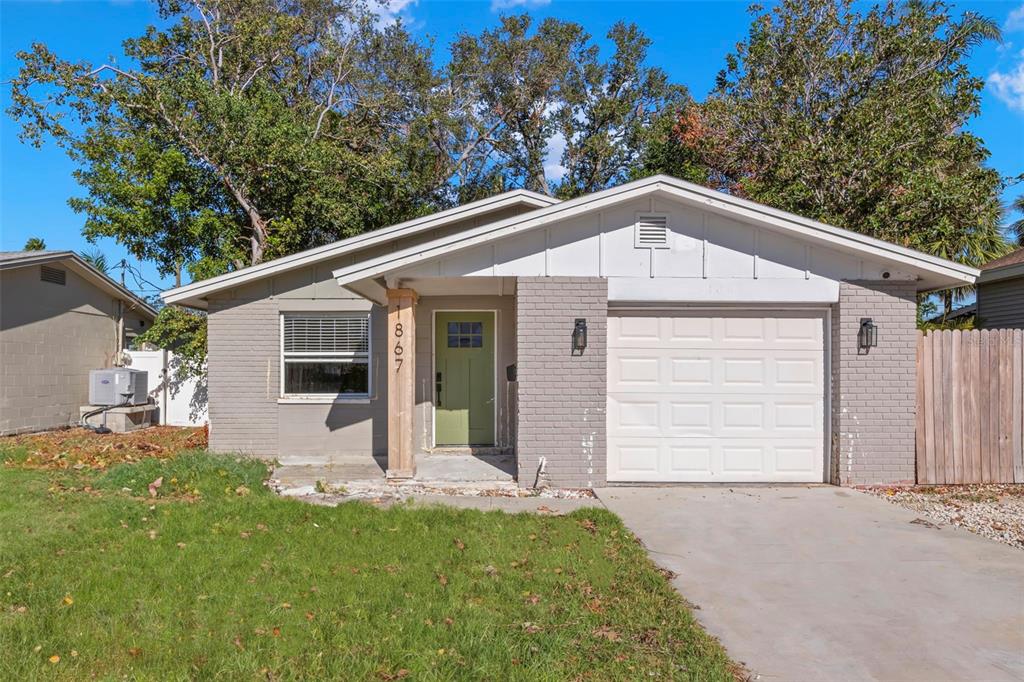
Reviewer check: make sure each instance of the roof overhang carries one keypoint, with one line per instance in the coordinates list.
(80, 267)
(933, 272)
(1005, 272)
(194, 295)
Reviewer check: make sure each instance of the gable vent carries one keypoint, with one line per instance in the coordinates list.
(651, 232)
(53, 275)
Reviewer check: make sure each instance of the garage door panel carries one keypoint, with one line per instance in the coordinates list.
(667, 370)
(716, 397)
(704, 460)
(733, 329)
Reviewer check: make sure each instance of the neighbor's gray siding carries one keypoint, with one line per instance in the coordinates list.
(562, 397)
(1001, 304)
(874, 394)
(50, 337)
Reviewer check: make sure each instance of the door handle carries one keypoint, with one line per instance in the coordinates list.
(438, 389)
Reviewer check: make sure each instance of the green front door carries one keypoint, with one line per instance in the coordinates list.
(464, 378)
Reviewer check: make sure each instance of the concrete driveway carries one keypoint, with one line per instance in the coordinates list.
(821, 583)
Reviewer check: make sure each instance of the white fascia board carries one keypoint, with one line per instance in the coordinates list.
(191, 293)
(689, 192)
(1005, 272)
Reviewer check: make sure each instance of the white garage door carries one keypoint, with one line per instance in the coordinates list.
(716, 396)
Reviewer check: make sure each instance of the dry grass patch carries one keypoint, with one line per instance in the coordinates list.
(79, 448)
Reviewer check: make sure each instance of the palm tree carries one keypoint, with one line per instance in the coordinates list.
(1017, 227)
(35, 244)
(95, 258)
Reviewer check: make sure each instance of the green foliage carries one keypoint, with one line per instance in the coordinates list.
(189, 473)
(35, 244)
(1017, 226)
(857, 118)
(184, 332)
(96, 258)
(243, 131)
(928, 310)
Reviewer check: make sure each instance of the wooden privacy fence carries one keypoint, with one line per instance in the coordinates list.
(970, 414)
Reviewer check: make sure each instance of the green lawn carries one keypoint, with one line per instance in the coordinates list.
(216, 577)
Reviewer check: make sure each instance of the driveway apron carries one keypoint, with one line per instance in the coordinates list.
(822, 583)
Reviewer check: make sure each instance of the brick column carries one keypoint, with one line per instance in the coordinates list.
(562, 397)
(874, 392)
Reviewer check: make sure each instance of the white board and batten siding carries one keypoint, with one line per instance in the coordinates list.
(707, 257)
(728, 396)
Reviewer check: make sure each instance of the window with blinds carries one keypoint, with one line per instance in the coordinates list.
(326, 354)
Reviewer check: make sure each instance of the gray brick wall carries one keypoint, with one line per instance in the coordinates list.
(243, 374)
(874, 393)
(561, 397)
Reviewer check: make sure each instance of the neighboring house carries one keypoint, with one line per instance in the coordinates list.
(722, 342)
(1001, 292)
(966, 313)
(59, 318)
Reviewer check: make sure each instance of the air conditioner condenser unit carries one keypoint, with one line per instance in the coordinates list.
(118, 386)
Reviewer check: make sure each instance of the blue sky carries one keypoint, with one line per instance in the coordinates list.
(690, 41)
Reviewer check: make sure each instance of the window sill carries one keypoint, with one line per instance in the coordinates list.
(323, 400)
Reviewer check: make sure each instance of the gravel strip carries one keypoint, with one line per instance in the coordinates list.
(994, 511)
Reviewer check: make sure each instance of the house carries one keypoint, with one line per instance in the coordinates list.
(59, 318)
(1000, 292)
(657, 331)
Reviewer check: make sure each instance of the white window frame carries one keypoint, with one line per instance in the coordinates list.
(313, 398)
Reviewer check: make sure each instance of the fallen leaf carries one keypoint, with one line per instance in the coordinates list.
(238, 643)
(605, 632)
(490, 570)
(443, 579)
(276, 632)
(460, 544)
(134, 651)
(309, 615)
(74, 654)
(155, 485)
(181, 545)
(68, 601)
(530, 628)
(241, 491)
(245, 534)
(152, 535)
(55, 659)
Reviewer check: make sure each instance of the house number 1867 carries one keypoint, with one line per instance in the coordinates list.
(399, 331)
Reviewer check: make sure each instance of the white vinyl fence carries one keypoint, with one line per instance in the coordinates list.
(182, 402)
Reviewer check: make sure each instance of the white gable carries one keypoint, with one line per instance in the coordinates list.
(715, 252)
(713, 238)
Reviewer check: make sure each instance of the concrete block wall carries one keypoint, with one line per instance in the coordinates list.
(874, 393)
(243, 373)
(562, 397)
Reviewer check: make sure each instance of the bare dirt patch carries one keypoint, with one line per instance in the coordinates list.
(83, 449)
(994, 511)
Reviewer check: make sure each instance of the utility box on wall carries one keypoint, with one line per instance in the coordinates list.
(118, 386)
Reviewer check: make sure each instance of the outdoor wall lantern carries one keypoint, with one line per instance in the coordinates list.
(867, 337)
(579, 336)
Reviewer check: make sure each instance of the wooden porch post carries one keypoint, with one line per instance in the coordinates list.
(401, 382)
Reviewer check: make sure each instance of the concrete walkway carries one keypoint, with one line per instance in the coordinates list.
(821, 583)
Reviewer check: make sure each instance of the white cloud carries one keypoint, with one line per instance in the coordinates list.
(498, 5)
(1015, 21)
(553, 168)
(390, 11)
(1009, 86)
